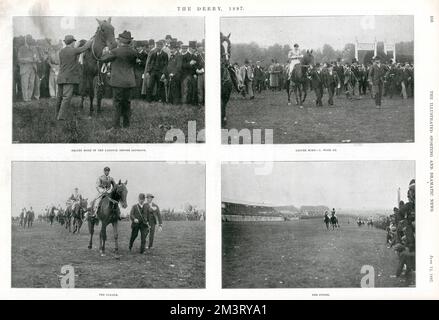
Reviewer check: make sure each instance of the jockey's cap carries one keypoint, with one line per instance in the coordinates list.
(106, 169)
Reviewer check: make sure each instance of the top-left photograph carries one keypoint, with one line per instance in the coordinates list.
(108, 79)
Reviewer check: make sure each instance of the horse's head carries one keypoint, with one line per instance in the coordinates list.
(121, 192)
(308, 58)
(105, 32)
(225, 47)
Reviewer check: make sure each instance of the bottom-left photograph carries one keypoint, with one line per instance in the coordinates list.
(108, 225)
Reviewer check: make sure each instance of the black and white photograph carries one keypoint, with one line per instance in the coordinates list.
(85, 79)
(108, 225)
(318, 79)
(342, 224)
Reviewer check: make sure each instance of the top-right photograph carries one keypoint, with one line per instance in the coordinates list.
(317, 79)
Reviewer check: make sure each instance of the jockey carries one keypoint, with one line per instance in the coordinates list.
(104, 185)
(75, 198)
(294, 57)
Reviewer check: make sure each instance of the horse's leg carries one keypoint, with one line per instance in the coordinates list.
(103, 238)
(295, 94)
(116, 235)
(99, 95)
(91, 230)
(288, 91)
(300, 94)
(304, 93)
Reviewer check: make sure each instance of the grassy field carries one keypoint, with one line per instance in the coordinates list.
(34, 122)
(303, 254)
(177, 260)
(356, 121)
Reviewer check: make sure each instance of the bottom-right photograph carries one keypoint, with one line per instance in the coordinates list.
(335, 224)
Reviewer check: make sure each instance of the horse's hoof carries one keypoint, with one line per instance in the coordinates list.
(289, 103)
(89, 247)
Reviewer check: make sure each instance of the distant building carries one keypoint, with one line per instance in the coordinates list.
(247, 211)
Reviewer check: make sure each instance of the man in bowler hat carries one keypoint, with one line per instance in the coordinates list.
(139, 223)
(153, 217)
(122, 80)
(69, 74)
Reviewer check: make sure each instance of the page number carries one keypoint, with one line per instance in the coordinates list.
(431, 19)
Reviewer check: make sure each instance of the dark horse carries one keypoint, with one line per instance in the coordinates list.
(91, 73)
(334, 222)
(298, 79)
(108, 213)
(78, 214)
(229, 77)
(327, 220)
(51, 215)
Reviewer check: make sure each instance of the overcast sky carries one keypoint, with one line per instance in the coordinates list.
(314, 32)
(39, 184)
(355, 184)
(142, 28)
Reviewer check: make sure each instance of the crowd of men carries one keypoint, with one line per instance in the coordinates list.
(167, 70)
(352, 79)
(401, 228)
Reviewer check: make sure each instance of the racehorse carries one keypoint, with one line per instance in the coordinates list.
(51, 215)
(29, 219)
(60, 217)
(78, 213)
(327, 220)
(369, 223)
(229, 77)
(298, 79)
(91, 73)
(108, 213)
(334, 222)
(68, 218)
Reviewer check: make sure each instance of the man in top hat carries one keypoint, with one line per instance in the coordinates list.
(199, 57)
(376, 80)
(331, 82)
(145, 76)
(153, 217)
(155, 70)
(173, 74)
(69, 74)
(27, 60)
(246, 72)
(139, 222)
(123, 61)
(259, 77)
(317, 79)
(167, 43)
(188, 72)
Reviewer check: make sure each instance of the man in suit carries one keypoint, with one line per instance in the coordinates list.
(376, 80)
(188, 66)
(155, 70)
(173, 74)
(123, 61)
(139, 222)
(259, 77)
(317, 83)
(69, 75)
(27, 61)
(339, 69)
(332, 82)
(199, 57)
(153, 217)
(247, 76)
(146, 76)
